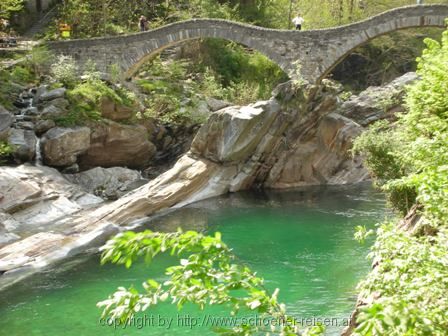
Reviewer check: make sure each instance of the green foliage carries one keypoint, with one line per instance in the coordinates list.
(8, 7)
(39, 59)
(409, 159)
(212, 68)
(114, 73)
(410, 280)
(86, 97)
(207, 274)
(12, 82)
(410, 283)
(361, 234)
(381, 147)
(65, 71)
(105, 17)
(21, 75)
(233, 64)
(5, 151)
(383, 59)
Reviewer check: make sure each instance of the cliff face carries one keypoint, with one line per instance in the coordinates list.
(301, 136)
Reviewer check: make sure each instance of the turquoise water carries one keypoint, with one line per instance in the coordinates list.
(299, 241)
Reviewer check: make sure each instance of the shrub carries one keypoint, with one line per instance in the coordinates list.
(85, 99)
(410, 278)
(65, 70)
(40, 59)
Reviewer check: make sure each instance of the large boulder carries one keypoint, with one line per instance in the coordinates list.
(114, 144)
(231, 134)
(6, 120)
(43, 126)
(108, 183)
(61, 146)
(23, 143)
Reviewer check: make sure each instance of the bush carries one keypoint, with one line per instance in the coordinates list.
(40, 59)
(380, 147)
(85, 99)
(410, 278)
(65, 71)
(410, 284)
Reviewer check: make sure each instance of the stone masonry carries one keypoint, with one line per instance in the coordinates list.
(312, 54)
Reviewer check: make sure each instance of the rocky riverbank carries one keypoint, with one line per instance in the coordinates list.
(301, 136)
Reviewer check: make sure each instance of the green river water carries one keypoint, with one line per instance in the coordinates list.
(299, 241)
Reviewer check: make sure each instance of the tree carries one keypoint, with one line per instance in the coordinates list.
(7, 7)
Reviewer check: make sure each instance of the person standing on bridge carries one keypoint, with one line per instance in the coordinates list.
(143, 23)
(298, 21)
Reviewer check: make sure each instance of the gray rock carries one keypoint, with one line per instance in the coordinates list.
(6, 120)
(231, 135)
(53, 94)
(23, 143)
(108, 183)
(32, 198)
(73, 169)
(216, 104)
(27, 125)
(52, 111)
(377, 103)
(43, 126)
(61, 103)
(61, 146)
(8, 238)
(39, 92)
(32, 111)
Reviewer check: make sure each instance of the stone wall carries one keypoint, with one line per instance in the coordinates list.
(316, 52)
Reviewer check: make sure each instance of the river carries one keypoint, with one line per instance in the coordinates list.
(300, 241)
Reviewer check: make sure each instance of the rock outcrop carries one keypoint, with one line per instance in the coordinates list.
(377, 103)
(113, 144)
(33, 199)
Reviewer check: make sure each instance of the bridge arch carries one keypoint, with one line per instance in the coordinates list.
(313, 53)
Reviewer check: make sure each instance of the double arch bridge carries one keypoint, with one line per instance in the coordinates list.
(312, 53)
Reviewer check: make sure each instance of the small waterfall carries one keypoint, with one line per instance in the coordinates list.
(38, 160)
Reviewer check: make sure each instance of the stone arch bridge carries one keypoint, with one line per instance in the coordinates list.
(313, 53)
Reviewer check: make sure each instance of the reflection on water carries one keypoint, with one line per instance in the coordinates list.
(299, 241)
